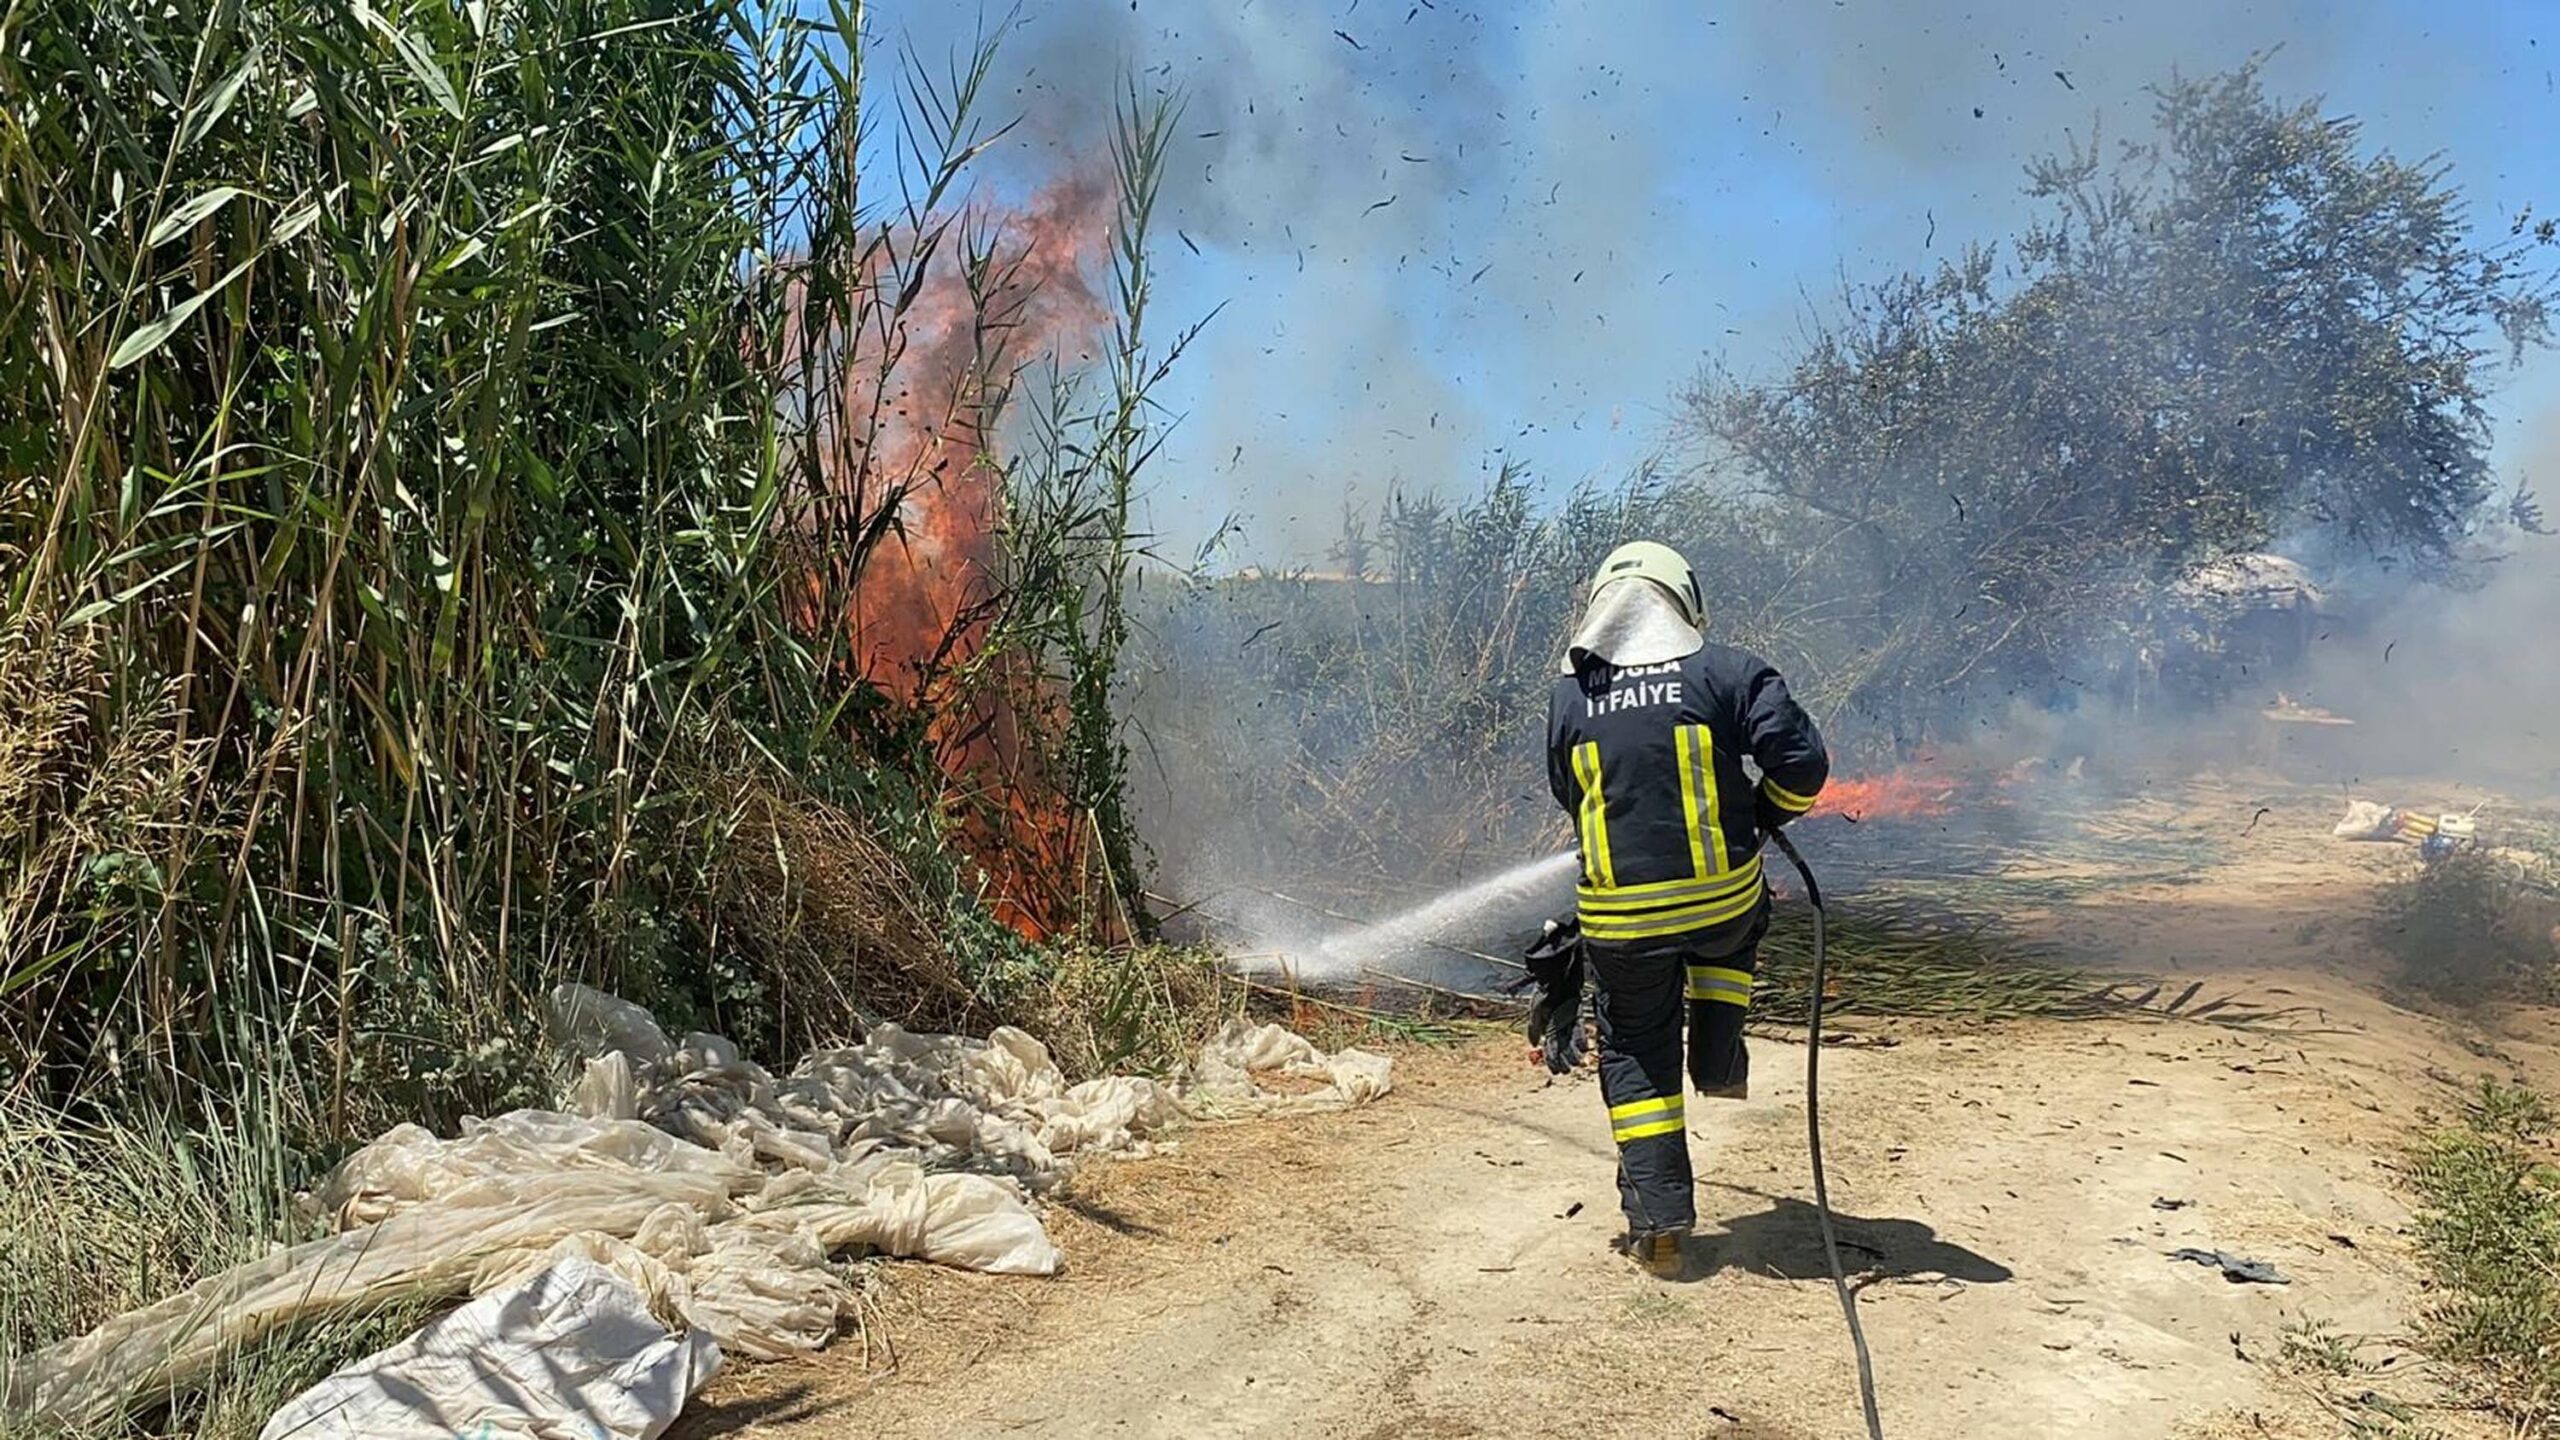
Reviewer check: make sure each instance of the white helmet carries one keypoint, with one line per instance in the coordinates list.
(1659, 563)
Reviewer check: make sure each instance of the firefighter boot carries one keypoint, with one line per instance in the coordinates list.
(1659, 1253)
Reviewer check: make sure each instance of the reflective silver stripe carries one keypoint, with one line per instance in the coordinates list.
(1717, 982)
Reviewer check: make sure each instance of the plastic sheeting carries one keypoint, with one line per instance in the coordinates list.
(721, 1192)
(1223, 1080)
(572, 1351)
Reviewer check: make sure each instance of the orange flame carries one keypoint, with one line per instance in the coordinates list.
(1895, 795)
(921, 607)
(917, 609)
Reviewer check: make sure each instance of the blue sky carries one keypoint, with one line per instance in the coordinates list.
(1446, 234)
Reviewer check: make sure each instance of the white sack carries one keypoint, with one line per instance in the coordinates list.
(571, 1351)
(2366, 820)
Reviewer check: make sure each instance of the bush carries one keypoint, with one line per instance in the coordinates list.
(2242, 328)
(2472, 926)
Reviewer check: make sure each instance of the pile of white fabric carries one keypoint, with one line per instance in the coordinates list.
(684, 1203)
(2369, 820)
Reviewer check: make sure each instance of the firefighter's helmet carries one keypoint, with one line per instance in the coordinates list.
(1659, 563)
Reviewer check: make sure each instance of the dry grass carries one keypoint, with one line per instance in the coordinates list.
(836, 915)
(101, 1216)
(95, 818)
(1120, 1010)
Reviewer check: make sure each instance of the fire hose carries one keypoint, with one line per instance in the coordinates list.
(1813, 1142)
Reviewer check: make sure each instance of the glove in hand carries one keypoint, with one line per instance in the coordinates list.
(1555, 1021)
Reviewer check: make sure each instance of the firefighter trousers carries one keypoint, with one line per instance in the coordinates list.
(1646, 1000)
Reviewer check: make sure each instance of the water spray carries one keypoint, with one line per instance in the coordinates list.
(1357, 948)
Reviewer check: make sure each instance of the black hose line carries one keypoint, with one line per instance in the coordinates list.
(1813, 1140)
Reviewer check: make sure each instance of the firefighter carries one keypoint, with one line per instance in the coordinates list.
(1649, 729)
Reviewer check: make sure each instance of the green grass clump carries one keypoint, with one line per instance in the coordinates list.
(103, 1215)
(2488, 1231)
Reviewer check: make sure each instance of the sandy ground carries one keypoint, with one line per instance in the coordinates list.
(1438, 1265)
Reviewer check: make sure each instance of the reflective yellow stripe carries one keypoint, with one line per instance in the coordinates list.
(1696, 745)
(1706, 749)
(1658, 892)
(1714, 982)
(1638, 1109)
(1784, 798)
(1684, 741)
(1676, 921)
(1639, 1118)
(1582, 814)
(1594, 816)
(1667, 922)
(1636, 899)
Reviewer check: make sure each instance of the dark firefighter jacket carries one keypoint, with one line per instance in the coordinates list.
(1648, 761)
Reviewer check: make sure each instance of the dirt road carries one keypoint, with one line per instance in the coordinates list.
(1438, 1265)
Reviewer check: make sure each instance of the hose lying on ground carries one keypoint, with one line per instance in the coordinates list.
(1813, 1140)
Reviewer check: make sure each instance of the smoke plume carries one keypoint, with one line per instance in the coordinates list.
(1449, 236)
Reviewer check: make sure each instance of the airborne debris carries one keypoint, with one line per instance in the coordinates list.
(2523, 511)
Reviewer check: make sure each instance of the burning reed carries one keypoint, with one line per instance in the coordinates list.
(479, 481)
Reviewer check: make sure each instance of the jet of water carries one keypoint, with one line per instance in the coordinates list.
(1418, 943)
